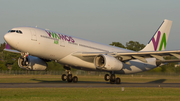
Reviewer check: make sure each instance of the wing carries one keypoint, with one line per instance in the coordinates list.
(141, 55)
(11, 50)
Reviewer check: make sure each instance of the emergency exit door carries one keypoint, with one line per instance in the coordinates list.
(33, 35)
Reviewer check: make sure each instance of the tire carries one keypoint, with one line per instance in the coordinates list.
(106, 77)
(69, 78)
(23, 63)
(112, 82)
(112, 78)
(75, 79)
(118, 80)
(64, 77)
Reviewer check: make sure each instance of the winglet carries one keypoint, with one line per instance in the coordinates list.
(7, 46)
(159, 40)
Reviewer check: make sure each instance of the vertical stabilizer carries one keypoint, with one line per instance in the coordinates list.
(159, 40)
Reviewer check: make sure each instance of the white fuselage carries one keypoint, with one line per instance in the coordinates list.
(59, 47)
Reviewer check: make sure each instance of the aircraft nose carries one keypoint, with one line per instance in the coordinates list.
(7, 37)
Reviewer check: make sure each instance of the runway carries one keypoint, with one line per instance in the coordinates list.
(85, 85)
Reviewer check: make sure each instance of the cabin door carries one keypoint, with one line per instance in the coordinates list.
(33, 35)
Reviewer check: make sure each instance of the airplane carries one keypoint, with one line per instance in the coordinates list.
(37, 46)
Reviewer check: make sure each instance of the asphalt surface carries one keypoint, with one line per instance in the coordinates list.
(86, 84)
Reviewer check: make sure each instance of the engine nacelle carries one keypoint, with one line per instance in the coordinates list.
(32, 63)
(106, 62)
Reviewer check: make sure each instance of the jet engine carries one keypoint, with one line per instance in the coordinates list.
(32, 63)
(106, 62)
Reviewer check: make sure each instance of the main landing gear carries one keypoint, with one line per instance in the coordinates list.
(69, 76)
(112, 79)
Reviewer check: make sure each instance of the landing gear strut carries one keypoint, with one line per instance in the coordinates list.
(112, 79)
(69, 76)
(24, 58)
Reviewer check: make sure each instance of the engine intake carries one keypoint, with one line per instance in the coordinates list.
(106, 62)
(32, 63)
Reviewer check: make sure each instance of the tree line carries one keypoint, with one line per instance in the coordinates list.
(9, 60)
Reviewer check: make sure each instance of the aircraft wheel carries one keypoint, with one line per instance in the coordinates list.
(118, 80)
(64, 77)
(75, 79)
(24, 63)
(112, 82)
(112, 78)
(106, 77)
(69, 78)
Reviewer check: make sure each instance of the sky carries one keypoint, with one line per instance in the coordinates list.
(103, 21)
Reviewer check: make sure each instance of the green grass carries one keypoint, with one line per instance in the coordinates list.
(89, 94)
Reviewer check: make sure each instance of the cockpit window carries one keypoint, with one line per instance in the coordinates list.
(12, 31)
(20, 32)
(17, 31)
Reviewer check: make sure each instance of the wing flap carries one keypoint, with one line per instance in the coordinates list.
(156, 54)
(176, 55)
(149, 53)
(158, 57)
(140, 58)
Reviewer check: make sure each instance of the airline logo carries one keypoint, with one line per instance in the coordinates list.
(156, 42)
(60, 37)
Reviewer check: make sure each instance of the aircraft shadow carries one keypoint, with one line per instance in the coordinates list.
(97, 82)
(158, 81)
(59, 81)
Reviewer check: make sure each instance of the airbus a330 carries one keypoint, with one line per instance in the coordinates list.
(37, 46)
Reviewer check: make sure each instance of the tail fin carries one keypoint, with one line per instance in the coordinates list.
(159, 39)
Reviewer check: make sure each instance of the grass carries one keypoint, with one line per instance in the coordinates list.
(89, 94)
